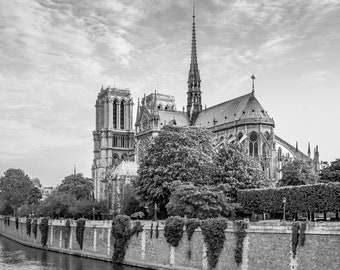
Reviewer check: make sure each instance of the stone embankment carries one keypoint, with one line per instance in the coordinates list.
(267, 245)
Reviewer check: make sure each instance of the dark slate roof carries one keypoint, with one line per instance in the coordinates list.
(165, 117)
(245, 107)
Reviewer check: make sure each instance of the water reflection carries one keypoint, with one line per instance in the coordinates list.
(14, 256)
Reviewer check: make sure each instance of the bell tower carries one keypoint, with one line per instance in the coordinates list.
(113, 135)
(194, 100)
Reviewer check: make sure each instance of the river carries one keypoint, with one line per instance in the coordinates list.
(14, 256)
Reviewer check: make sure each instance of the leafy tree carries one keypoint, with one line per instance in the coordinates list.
(236, 168)
(129, 202)
(15, 187)
(296, 173)
(77, 186)
(34, 196)
(182, 154)
(200, 201)
(331, 173)
(57, 204)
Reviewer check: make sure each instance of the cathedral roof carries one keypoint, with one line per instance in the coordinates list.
(245, 107)
(175, 117)
(126, 168)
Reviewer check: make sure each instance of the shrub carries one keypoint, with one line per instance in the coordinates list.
(303, 227)
(138, 228)
(121, 232)
(43, 227)
(67, 233)
(295, 237)
(308, 198)
(157, 230)
(151, 230)
(191, 225)
(28, 227)
(213, 231)
(173, 230)
(80, 231)
(35, 228)
(240, 234)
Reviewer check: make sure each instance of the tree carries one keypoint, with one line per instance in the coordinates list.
(331, 173)
(129, 202)
(296, 173)
(15, 187)
(202, 202)
(57, 204)
(182, 154)
(77, 186)
(34, 196)
(236, 168)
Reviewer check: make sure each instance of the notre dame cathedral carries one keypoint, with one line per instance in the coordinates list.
(242, 120)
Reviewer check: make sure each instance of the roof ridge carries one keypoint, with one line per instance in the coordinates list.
(249, 94)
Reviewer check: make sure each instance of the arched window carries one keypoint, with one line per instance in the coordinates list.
(114, 141)
(253, 145)
(122, 116)
(115, 113)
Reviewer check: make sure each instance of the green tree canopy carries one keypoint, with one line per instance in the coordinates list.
(182, 154)
(34, 196)
(236, 168)
(297, 173)
(77, 186)
(331, 173)
(202, 201)
(15, 187)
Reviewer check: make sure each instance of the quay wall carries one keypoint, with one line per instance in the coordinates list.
(268, 245)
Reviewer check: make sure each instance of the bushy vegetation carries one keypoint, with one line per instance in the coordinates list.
(296, 173)
(35, 228)
(191, 225)
(173, 230)
(308, 198)
(186, 175)
(295, 237)
(121, 232)
(28, 227)
(43, 227)
(80, 232)
(67, 233)
(213, 231)
(240, 234)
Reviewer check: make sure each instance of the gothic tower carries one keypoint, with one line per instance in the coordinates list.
(113, 136)
(194, 102)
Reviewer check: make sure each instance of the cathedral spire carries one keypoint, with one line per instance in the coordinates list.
(194, 102)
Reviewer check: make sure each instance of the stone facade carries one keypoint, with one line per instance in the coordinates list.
(241, 120)
(113, 136)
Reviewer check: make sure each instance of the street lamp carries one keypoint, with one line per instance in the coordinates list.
(93, 212)
(284, 200)
(156, 208)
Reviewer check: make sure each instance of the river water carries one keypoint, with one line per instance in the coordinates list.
(14, 256)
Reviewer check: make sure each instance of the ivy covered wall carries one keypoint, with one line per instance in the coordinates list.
(262, 245)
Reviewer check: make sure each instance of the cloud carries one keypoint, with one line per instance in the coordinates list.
(315, 77)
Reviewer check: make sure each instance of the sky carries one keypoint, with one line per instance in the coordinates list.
(55, 55)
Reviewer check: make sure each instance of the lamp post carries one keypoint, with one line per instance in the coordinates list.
(284, 200)
(156, 208)
(93, 212)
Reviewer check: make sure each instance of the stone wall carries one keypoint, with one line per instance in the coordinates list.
(266, 246)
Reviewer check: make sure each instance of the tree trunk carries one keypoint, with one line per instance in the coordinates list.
(337, 214)
(312, 214)
(308, 216)
(325, 216)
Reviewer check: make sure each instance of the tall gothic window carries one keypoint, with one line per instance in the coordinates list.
(253, 145)
(115, 114)
(122, 116)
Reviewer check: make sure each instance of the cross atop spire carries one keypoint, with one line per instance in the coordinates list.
(193, 64)
(253, 79)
